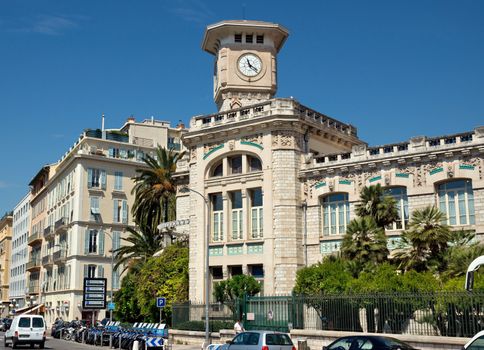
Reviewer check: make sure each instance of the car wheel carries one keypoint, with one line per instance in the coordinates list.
(41, 345)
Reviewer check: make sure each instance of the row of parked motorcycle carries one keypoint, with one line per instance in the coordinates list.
(111, 333)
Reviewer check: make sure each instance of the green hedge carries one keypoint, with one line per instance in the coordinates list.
(215, 326)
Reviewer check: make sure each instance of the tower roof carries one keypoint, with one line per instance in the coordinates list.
(215, 31)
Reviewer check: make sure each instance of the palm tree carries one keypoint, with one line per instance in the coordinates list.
(143, 244)
(376, 204)
(364, 242)
(155, 190)
(426, 240)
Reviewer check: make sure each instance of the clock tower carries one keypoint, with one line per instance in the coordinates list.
(245, 70)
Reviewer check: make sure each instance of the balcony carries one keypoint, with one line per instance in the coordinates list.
(34, 238)
(48, 231)
(33, 264)
(60, 225)
(34, 287)
(60, 256)
(174, 146)
(47, 260)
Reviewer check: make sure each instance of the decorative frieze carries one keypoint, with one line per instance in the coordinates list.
(287, 139)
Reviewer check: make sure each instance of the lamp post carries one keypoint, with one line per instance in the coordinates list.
(112, 273)
(207, 261)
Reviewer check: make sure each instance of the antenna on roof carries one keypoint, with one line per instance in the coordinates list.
(102, 122)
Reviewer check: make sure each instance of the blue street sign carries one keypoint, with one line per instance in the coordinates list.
(154, 342)
(111, 305)
(160, 302)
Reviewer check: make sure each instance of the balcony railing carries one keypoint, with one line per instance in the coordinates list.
(47, 230)
(174, 146)
(33, 263)
(47, 260)
(60, 255)
(60, 223)
(34, 237)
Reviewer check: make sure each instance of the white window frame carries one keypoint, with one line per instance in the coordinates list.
(329, 221)
(401, 201)
(453, 197)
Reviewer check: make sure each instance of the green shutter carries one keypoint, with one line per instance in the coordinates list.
(86, 241)
(115, 211)
(101, 242)
(89, 178)
(103, 179)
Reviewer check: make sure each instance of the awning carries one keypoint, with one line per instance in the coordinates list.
(34, 309)
(22, 310)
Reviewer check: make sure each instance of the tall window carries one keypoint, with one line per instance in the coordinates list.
(95, 212)
(256, 217)
(96, 178)
(336, 214)
(120, 214)
(118, 180)
(89, 271)
(217, 217)
(92, 243)
(237, 214)
(456, 200)
(400, 196)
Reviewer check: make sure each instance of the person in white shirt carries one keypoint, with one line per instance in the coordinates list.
(238, 327)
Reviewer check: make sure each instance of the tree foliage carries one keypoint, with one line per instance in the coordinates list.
(142, 244)
(228, 291)
(374, 203)
(165, 275)
(155, 189)
(364, 242)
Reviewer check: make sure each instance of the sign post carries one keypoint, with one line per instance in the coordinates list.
(160, 303)
(94, 295)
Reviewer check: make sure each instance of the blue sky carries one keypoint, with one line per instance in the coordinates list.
(394, 69)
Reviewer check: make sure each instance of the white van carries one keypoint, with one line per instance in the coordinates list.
(26, 329)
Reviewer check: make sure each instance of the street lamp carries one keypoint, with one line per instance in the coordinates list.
(112, 274)
(207, 261)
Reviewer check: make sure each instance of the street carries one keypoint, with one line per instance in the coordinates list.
(57, 344)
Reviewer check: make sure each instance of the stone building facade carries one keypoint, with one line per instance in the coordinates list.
(281, 179)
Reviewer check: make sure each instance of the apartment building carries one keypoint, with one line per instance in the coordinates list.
(18, 292)
(81, 209)
(5, 249)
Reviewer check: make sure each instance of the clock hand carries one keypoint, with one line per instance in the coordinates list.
(254, 69)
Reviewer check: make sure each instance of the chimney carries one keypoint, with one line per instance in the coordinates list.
(131, 119)
(180, 125)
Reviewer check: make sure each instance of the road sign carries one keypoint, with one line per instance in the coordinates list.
(160, 302)
(154, 342)
(94, 293)
(111, 305)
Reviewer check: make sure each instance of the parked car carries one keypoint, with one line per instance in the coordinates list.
(476, 343)
(260, 340)
(26, 329)
(368, 342)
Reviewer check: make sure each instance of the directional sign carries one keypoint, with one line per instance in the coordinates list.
(111, 305)
(160, 302)
(154, 342)
(94, 293)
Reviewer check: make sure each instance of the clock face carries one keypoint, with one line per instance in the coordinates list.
(249, 65)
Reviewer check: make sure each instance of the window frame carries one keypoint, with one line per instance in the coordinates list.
(327, 229)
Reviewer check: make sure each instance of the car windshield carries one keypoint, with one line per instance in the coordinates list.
(247, 338)
(278, 339)
(392, 342)
(24, 322)
(37, 322)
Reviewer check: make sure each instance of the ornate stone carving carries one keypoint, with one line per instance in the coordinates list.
(287, 139)
(209, 146)
(193, 154)
(450, 170)
(257, 138)
(231, 145)
(357, 180)
(387, 180)
(475, 162)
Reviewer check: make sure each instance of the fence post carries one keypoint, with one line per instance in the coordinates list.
(120, 340)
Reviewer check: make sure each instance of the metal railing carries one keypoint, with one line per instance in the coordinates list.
(33, 237)
(47, 230)
(47, 260)
(190, 311)
(33, 263)
(451, 314)
(60, 255)
(60, 223)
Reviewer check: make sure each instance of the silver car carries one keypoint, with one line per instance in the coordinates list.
(260, 340)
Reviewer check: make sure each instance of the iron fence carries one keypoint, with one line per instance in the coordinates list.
(453, 314)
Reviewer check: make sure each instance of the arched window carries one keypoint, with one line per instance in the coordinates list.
(218, 169)
(456, 201)
(401, 199)
(254, 164)
(336, 214)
